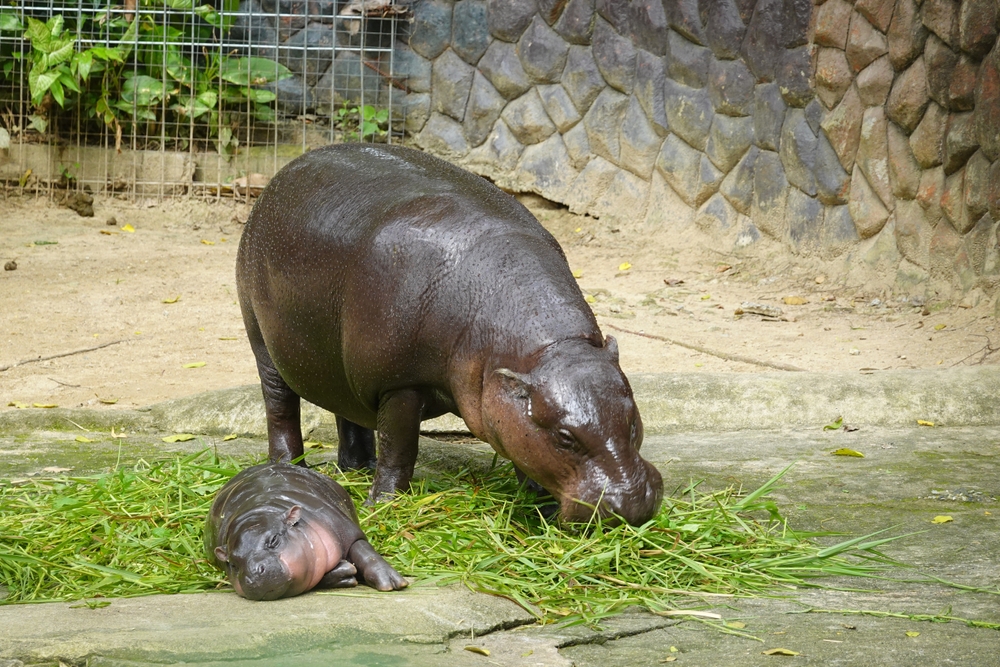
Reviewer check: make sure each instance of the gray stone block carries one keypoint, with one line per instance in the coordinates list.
(683, 16)
(798, 151)
(724, 29)
(470, 34)
(977, 172)
(843, 127)
(309, 52)
(590, 184)
(866, 207)
(624, 200)
(878, 12)
(929, 193)
(748, 233)
(689, 113)
(728, 141)
(904, 170)
(687, 62)
(953, 202)
(913, 232)
(507, 19)
(639, 141)
(615, 57)
(941, 62)
(485, 105)
(716, 215)
(499, 153)
(443, 136)
(551, 10)
(927, 140)
(794, 76)
(962, 90)
(418, 110)
(649, 26)
(978, 23)
(764, 42)
(832, 182)
(769, 115)
(451, 82)
(413, 68)
(906, 34)
(430, 28)
(864, 43)
(770, 193)
(875, 81)
(815, 115)
(993, 192)
(546, 168)
(527, 119)
(577, 22)
(503, 68)
(666, 210)
(980, 246)
(873, 154)
(578, 146)
(581, 78)
(987, 118)
(650, 73)
(909, 96)
(833, 20)
(559, 106)
(941, 18)
(603, 121)
(542, 52)
(839, 233)
(833, 76)
(960, 142)
(804, 219)
(731, 87)
(687, 171)
(737, 186)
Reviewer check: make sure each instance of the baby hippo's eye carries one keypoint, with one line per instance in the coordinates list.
(565, 439)
(261, 569)
(271, 542)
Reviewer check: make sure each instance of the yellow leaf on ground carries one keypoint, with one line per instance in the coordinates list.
(45, 405)
(844, 451)
(477, 649)
(941, 518)
(706, 297)
(173, 300)
(578, 274)
(794, 301)
(18, 404)
(108, 401)
(674, 649)
(912, 633)
(83, 438)
(128, 228)
(107, 232)
(624, 266)
(938, 327)
(737, 625)
(195, 364)
(590, 298)
(578, 230)
(179, 437)
(780, 651)
(921, 422)
(207, 242)
(231, 436)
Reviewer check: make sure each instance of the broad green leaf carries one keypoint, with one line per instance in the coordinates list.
(258, 95)
(84, 63)
(57, 92)
(252, 71)
(142, 90)
(67, 80)
(62, 51)
(9, 22)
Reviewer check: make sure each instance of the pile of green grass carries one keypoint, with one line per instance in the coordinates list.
(138, 531)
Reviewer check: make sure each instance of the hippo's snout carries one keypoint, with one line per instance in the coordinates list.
(636, 501)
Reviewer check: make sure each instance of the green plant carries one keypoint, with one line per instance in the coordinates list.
(363, 122)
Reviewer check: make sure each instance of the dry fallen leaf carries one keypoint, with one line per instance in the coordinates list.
(578, 274)
(57, 469)
(108, 401)
(173, 300)
(736, 625)
(923, 422)
(195, 364)
(912, 633)
(45, 405)
(624, 266)
(672, 282)
(844, 451)
(18, 404)
(780, 651)
(669, 658)
(207, 242)
(942, 518)
(83, 438)
(794, 301)
(590, 298)
(938, 327)
(128, 228)
(231, 436)
(477, 649)
(179, 437)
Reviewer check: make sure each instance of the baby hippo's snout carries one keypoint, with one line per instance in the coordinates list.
(635, 498)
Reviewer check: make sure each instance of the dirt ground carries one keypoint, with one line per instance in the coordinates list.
(163, 297)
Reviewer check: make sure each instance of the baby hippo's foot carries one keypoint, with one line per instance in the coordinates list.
(345, 575)
(373, 569)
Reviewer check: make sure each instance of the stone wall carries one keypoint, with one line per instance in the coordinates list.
(831, 128)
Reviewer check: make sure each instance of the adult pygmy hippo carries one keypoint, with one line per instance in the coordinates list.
(388, 286)
(279, 530)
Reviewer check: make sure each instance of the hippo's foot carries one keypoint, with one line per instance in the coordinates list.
(342, 576)
(373, 569)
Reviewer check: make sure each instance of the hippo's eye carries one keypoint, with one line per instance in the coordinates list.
(271, 542)
(565, 439)
(260, 569)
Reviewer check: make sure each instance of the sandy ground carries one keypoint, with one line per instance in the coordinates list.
(165, 296)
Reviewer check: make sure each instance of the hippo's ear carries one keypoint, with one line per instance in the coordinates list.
(611, 345)
(220, 553)
(518, 384)
(292, 517)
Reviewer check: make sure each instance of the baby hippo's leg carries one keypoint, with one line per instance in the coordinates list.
(373, 569)
(342, 576)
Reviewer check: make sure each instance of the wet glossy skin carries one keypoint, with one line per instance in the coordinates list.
(388, 287)
(279, 530)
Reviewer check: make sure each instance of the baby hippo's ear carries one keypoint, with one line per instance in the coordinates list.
(517, 384)
(611, 345)
(292, 517)
(220, 553)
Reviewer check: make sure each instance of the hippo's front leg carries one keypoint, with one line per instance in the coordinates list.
(399, 414)
(376, 572)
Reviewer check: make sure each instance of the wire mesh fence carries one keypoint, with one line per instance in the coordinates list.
(164, 97)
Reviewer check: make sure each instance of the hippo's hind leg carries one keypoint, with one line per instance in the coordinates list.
(356, 450)
(399, 415)
(284, 429)
(373, 569)
(345, 575)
